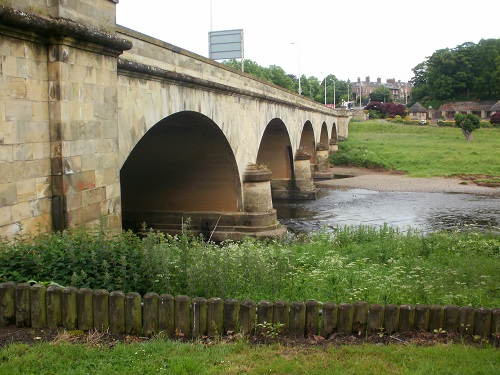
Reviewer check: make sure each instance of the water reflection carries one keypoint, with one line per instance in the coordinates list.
(422, 211)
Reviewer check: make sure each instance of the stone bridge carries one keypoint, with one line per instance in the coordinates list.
(102, 125)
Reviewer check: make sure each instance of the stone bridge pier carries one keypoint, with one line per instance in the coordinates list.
(104, 126)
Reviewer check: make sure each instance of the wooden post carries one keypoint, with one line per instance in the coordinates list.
(421, 318)
(375, 319)
(231, 316)
(346, 315)
(166, 314)
(54, 306)
(38, 306)
(406, 318)
(247, 317)
(199, 317)
(101, 310)
(69, 309)
(133, 314)
(482, 322)
(328, 319)
(22, 303)
(467, 318)
(281, 315)
(451, 318)
(117, 312)
(150, 314)
(7, 304)
(264, 315)
(182, 316)
(85, 309)
(495, 323)
(391, 318)
(359, 318)
(436, 318)
(312, 317)
(215, 317)
(297, 319)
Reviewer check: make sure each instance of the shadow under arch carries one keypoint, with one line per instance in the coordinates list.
(307, 142)
(275, 150)
(183, 163)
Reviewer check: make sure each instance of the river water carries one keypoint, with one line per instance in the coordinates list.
(425, 212)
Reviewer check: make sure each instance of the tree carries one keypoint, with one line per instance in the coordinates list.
(394, 110)
(381, 94)
(468, 123)
(467, 72)
(377, 109)
(495, 119)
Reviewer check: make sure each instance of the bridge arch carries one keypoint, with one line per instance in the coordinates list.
(183, 163)
(323, 138)
(275, 150)
(307, 141)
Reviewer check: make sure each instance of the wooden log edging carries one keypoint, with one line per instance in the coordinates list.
(36, 306)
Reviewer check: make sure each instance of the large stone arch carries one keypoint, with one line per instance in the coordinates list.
(275, 150)
(333, 142)
(323, 137)
(307, 141)
(183, 163)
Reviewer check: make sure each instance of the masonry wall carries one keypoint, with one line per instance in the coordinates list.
(25, 190)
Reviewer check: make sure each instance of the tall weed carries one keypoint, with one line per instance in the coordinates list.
(377, 265)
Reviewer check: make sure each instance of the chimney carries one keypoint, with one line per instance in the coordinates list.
(359, 80)
(367, 79)
(379, 80)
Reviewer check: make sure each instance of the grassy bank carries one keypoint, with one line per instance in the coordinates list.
(421, 151)
(167, 357)
(376, 265)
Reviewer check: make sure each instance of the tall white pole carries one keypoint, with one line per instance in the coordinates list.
(211, 17)
(334, 94)
(325, 90)
(360, 90)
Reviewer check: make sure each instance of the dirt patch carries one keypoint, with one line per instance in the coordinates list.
(30, 336)
(393, 181)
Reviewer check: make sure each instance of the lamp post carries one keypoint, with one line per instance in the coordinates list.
(333, 93)
(298, 59)
(360, 91)
(325, 90)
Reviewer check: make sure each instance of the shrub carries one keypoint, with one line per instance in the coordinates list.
(495, 119)
(376, 265)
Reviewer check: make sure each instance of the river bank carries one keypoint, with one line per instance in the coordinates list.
(362, 178)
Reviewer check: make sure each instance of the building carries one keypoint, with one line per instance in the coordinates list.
(447, 111)
(418, 112)
(483, 110)
(400, 91)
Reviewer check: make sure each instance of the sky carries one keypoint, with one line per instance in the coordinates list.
(349, 39)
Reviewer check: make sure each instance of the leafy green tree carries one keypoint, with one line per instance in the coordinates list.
(468, 123)
(467, 72)
(381, 94)
(280, 78)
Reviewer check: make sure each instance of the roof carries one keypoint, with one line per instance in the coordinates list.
(417, 107)
(468, 106)
(496, 107)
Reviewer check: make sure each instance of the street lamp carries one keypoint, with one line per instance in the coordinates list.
(298, 59)
(333, 92)
(324, 81)
(360, 91)
(325, 90)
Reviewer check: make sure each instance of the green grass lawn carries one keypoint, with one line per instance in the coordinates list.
(170, 357)
(421, 151)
